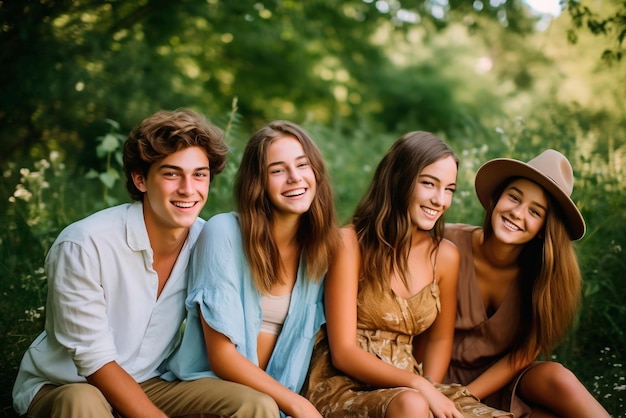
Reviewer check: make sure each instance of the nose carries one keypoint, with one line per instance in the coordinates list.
(439, 196)
(517, 211)
(294, 176)
(185, 187)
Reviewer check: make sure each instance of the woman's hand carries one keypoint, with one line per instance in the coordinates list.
(300, 407)
(440, 405)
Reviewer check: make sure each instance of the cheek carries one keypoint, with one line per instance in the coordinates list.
(538, 226)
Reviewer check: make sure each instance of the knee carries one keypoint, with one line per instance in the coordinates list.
(407, 404)
(79, 398)
(259, 405)
(559, 378)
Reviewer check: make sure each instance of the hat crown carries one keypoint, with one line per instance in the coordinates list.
(550, 170)
(556, 167)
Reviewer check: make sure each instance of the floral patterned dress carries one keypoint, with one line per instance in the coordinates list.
(386, 325)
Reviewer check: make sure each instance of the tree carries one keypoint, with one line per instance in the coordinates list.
(69, 66)
(610, 23)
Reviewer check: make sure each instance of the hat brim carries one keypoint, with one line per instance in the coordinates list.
(494, 172)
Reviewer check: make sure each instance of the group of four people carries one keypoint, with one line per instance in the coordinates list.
(283, 313)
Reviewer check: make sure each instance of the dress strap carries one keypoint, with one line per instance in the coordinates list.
(433, 262)
(434, 287)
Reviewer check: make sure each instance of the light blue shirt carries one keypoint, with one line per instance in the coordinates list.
(102, 304)
(221, 286)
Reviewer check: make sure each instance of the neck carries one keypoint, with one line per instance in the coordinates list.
(496, 253)
(284, 230)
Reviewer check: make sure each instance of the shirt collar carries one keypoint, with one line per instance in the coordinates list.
(136, 232)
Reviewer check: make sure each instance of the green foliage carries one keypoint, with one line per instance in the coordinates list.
(70, 65)
(609, 23)
(109, 149)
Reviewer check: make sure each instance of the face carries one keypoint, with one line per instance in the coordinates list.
(176, 189)
(433, 193)
(291, 183)
(520, 212)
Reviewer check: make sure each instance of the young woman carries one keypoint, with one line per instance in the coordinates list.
(393, 277)
(519, 289)
(255, 292)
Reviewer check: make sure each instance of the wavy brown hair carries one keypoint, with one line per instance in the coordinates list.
(317, 234)
(166, 132)
(382, 220)
(549, 280)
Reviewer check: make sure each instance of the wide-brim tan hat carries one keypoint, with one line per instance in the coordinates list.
(550, 169)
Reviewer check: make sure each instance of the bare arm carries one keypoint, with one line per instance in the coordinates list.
(341, 288)
(229, 364)
(123, 392)
(497, 376)
(440, 337)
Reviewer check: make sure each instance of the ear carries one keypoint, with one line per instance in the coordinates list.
(140, 181)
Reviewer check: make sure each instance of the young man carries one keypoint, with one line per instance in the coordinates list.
(117, 287)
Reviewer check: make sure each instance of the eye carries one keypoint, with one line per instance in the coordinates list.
(303, 164)
(170, 174)
(451, 189)
(514, 198)
(428, 183)
(276, 170)
(201, 174)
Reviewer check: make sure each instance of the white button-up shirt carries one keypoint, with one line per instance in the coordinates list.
(102, 304)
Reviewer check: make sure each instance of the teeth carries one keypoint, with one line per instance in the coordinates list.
(292, 193)
(184, 205)
(430, 211)
(510, 225)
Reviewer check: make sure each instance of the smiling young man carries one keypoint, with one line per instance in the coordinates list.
(117, 286)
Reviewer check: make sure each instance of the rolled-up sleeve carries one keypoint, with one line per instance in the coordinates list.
(78, 317)
(215, 279)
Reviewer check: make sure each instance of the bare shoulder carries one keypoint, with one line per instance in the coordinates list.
(348, 236)
(448, 253)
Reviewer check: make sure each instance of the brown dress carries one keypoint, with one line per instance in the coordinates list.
(481, 340)
(386, 325)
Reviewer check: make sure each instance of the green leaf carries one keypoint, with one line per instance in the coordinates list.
(109, 177)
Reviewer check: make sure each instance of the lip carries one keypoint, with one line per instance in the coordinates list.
(511, 226)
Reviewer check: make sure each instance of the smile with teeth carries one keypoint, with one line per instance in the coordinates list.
(183, 205)
(294, 193)
(429, 211)
(510, 225)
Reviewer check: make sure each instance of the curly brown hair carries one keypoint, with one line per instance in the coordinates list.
(166, 132)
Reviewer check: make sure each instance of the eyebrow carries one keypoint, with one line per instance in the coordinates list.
(430, 176)
(177, 168)
(282, 162)
(522, 193)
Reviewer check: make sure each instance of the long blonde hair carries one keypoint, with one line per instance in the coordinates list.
(382, 220)
(550, 283)
(317, 234)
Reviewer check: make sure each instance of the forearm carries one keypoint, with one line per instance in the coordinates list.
(123, 392)
(227, 363)
(367, 368)
(436, 359)
(496, 377)
(236, 368)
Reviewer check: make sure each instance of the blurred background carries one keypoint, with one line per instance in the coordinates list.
(493, 78)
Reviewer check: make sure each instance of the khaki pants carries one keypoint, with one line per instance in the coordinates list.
(202, 398)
